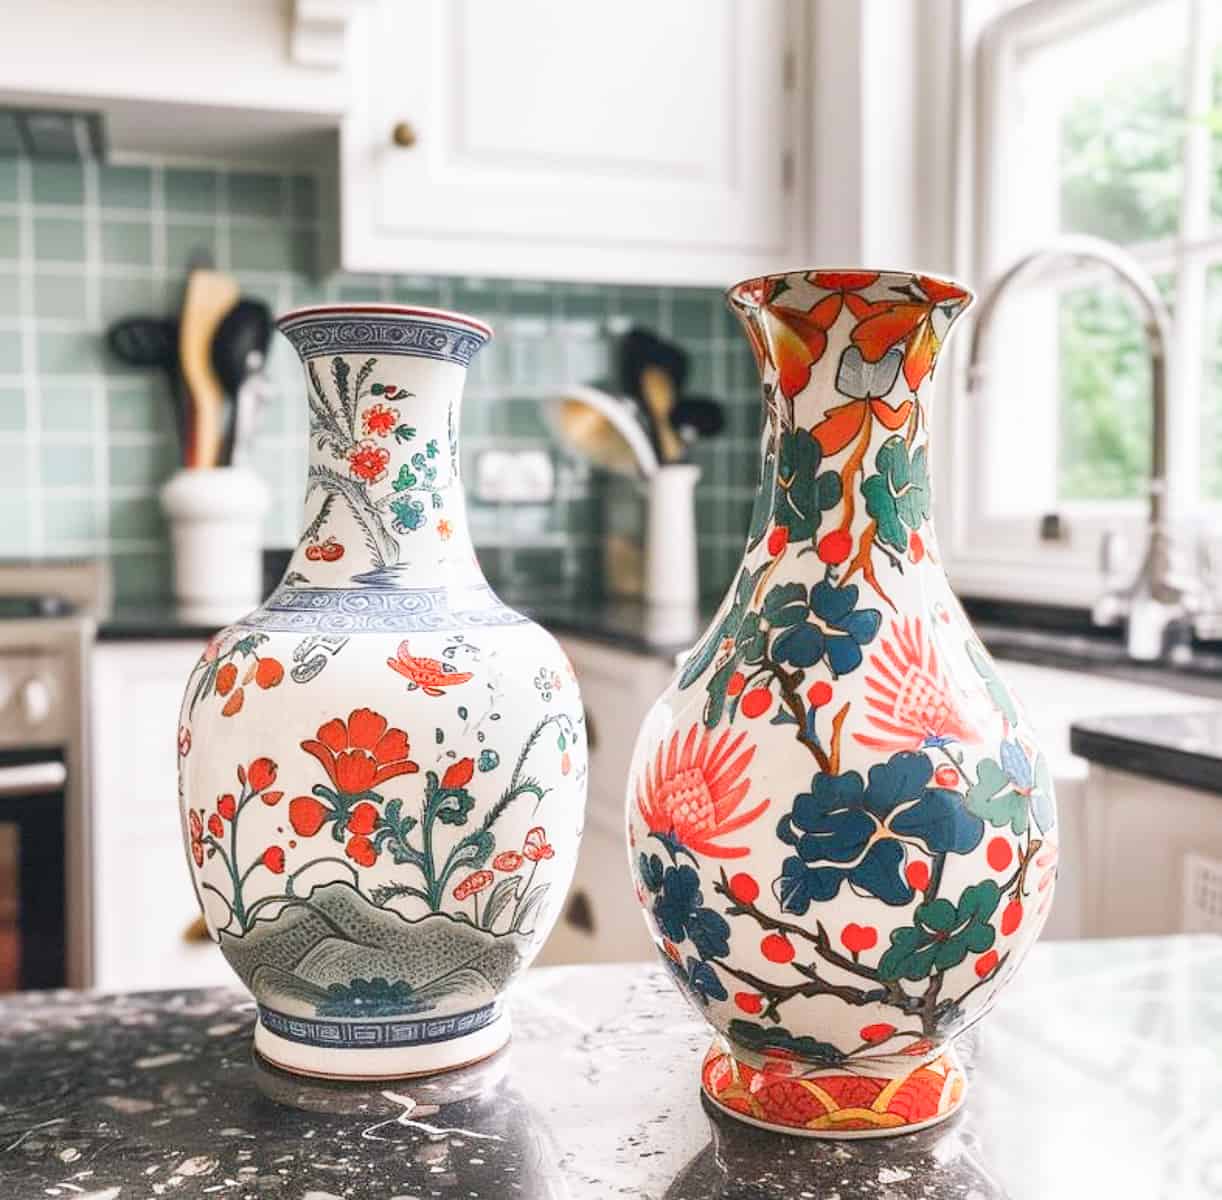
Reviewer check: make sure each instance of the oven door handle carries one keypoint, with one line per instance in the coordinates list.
(32, 779)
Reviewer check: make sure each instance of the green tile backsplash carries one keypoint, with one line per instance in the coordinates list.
(87, 442)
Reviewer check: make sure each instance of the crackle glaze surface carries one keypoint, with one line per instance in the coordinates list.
(843, 834)
(382, 769)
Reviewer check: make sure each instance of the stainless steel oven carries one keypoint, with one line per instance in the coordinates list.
(46, 632)
(33, 879)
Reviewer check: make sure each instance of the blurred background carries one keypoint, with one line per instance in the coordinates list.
(590, 179)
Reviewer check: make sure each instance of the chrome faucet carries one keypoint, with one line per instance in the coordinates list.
(1167, 587)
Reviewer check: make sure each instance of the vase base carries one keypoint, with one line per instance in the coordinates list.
(352, 1064)
(833, 1102)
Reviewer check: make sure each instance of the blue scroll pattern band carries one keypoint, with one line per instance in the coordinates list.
(366, 1035)
(372, 610)
(419, 337)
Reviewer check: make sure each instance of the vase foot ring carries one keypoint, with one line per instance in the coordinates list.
(363, 1065)
(833, 1102)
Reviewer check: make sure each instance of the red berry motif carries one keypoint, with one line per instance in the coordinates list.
(835, 547)
(268, 673)
(215, 827)
(916, 547)
(273, 860)
(756, 702)
(226, 677)
(917, 874)
(1011, 917)
(749, 1002)
(778, 539)
(227, 806)
(307, 815)
(946, 776)
(234, 704)
(856, 938)
(271, 799)
(999, 853)
(777, 949)
(986, 963)
(363, 819)
(876, 1033)
(738, 681)
(819, 694)
(360, 850)
(743, 888)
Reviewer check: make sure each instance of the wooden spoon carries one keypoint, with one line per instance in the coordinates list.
(209, 296)
(658, 392)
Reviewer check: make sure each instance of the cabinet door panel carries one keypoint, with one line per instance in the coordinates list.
(633, 126)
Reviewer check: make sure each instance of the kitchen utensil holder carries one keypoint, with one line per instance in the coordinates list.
(672, 577)
(216, 517)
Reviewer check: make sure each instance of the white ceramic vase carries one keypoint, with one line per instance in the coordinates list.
(382, 769)
(842, 830)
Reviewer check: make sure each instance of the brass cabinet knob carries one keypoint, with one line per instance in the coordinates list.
(404, 134)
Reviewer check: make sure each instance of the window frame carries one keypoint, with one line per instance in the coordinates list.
(992, 555)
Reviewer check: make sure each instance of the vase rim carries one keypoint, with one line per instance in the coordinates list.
(739, 293)
(381, 309)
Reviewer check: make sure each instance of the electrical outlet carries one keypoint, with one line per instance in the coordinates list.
(514, 477)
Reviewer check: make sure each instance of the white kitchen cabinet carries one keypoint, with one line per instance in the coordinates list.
(1146, 837)
(636, 142)
(143, 902)
(601, 920)
(232, 79)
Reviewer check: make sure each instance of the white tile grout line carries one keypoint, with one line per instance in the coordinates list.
(29, 349)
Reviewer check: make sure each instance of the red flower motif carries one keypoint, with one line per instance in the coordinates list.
(507, 860)
(196, 825)
(367, 462)
(234, 704)
(215, 826)
(378, 420)
(307, 815)
(184, 741)
(362, 753)
(692, 793)
(459, 774)
(363, 819)
(910, 698)
(271, 799)
(227, 806)
(908, 323)
(261, 774)
(536, 847)
(273, 860)
(361, 850)
(473, 883)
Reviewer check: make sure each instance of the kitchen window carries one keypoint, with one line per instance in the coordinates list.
(1105, 118)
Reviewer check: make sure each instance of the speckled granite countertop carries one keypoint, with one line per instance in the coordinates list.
(1095, 1076)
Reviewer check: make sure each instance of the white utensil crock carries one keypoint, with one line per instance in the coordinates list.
(216, 517)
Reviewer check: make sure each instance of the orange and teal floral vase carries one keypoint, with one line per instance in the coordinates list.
(382, 769)
(842, 831)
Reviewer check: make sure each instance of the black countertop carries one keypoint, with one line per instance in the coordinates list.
(1092, 1077)
(1178, 748)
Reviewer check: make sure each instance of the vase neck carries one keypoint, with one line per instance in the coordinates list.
(384, 500)
(846, 360)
